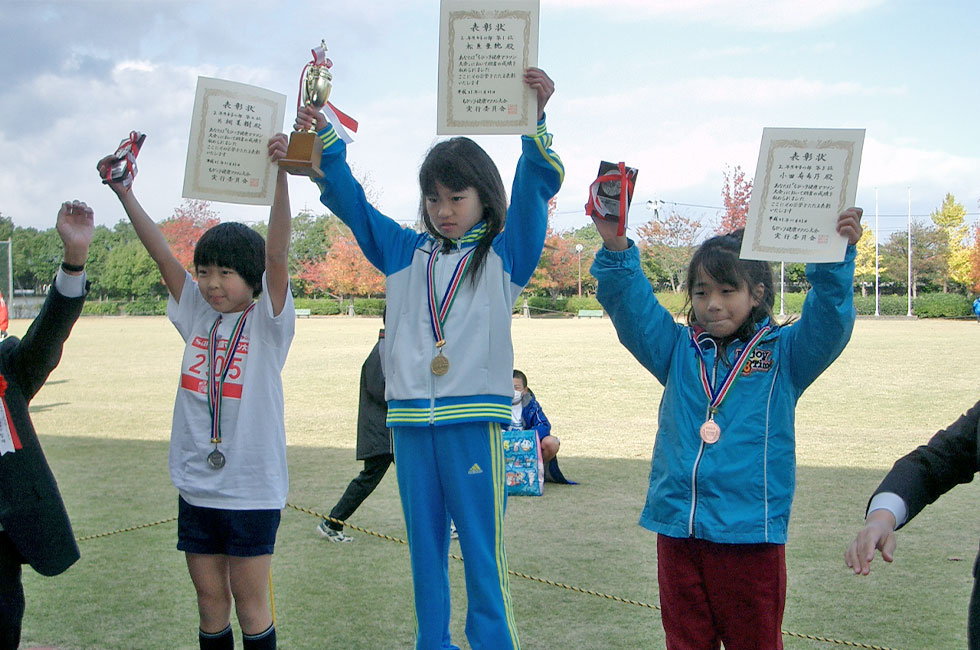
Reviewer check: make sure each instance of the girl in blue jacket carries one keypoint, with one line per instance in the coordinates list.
(723, 469)
(448, 354)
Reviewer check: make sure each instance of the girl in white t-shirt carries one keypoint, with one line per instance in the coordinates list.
(228, 441)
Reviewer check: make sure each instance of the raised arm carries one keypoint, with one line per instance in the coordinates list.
(385, 244)
(150, 235)
(537, 179)
(277, 240)
(39, 350)
(825, 324)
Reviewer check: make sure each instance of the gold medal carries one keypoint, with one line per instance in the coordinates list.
(439, 365)
(710, 432)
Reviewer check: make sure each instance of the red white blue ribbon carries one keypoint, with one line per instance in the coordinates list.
(216, 385)
(439, 312)
(715, 398)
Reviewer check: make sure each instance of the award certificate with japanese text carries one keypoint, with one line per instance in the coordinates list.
(484, 48)
(228, 153)
(804, 179)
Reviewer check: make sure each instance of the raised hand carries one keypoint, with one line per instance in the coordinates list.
(277, 147)
(75, 226)
(307, 116)
(608, 231)
(541, 83)
(116, 186)
(849, 224)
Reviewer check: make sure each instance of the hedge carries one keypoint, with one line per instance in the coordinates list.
(941, 305)
(100, 308)
(926, 305)
(369, 306)
(318, 307)
(146, 307)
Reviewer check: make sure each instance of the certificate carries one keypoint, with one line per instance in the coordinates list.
(484, 48)
(804, 179)
(228, 154)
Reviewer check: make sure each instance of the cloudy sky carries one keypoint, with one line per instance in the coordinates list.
(679, 89)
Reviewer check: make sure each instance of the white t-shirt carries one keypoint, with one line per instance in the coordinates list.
(253, 432)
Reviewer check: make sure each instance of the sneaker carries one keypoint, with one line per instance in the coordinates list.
(333, 535)
(452, 531)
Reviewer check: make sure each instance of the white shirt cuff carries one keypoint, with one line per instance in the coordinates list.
(892, 503)
(70, 286)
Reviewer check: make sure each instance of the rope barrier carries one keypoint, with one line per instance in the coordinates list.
(516, 574)
(125, 530)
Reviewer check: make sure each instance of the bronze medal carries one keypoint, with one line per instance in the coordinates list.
(439, 365)
(710, 432)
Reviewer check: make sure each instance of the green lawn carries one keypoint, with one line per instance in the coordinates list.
(104, 417)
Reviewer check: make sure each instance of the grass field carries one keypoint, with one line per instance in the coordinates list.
(104, 417)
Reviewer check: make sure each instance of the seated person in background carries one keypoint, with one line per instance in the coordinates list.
(527, 414)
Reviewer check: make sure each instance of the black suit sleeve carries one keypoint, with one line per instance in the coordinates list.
(40, 349)
(931, 470)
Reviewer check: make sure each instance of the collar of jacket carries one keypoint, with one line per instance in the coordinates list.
(699, 335)
(470, 239)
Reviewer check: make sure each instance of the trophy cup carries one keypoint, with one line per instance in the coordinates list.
(305, 147)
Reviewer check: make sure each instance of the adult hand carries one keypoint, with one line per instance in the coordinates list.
(878, 533)
(75, 226)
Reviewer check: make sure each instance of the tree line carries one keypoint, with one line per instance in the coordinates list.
(325, 261)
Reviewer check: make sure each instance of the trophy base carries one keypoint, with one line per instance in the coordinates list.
(303, 155)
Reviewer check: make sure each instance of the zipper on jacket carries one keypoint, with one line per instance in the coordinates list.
(458, 244)
(432, 397)
(697, 461)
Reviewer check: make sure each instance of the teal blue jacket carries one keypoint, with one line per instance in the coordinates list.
(740, 489)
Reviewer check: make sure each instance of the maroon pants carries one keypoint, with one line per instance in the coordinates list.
(712, 593)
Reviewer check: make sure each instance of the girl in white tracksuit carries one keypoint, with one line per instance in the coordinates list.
(449, 356)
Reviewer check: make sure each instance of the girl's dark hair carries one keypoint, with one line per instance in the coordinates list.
(234, 246)
(456, 164)
(718, 257)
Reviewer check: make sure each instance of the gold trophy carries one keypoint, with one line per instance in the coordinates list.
(305, 147)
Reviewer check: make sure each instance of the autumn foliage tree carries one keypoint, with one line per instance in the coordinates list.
(186, 226)
(953, 263)
(974, 257)
(666, 247)
(344, 271)
(557, 271)
(864, 264)
(735, 193)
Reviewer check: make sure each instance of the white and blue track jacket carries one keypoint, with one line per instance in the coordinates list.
(479, 384)
(738, 490)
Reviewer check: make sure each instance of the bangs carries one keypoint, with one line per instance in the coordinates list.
(721, 264)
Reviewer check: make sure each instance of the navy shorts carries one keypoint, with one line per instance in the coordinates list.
(213, 531)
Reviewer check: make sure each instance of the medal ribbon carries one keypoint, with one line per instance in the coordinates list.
(715, 398)
(216, 386)
(437, 313)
